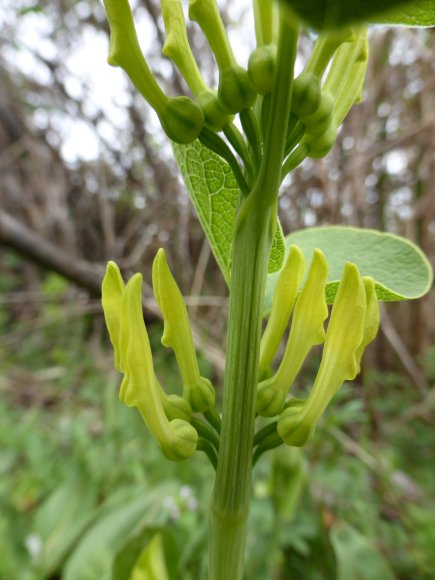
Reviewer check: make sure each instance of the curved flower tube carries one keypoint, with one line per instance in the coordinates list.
(349, 331)
(235, 89)
(113, 288)
(305, 332)
(197, 390)
(284, 299)
(177, 48)
(181, 118)
(177, 438)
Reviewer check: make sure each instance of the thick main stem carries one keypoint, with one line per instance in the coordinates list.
(253, 235)
(231, 495)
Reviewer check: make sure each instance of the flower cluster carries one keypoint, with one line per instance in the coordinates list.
(321, 96)
(353, 324)
(168, 417)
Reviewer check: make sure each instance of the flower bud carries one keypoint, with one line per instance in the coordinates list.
(306, 95)
(320, 120)
(321, 145)
(214, 116)
(182, 120)
(235, 90)
(261, 68)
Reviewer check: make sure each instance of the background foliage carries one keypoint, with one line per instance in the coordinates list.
(85, 176)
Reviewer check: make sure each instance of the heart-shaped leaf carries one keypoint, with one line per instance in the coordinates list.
(400, 269)
(327, 15)
(214, 193)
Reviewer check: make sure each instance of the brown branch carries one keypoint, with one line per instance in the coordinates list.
(34, 247)
(405, 357)
(88, 275)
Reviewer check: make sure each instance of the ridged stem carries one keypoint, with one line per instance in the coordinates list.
(253, 236)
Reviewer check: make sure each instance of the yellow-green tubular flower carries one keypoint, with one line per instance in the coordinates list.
(235, 89)
(346, 76)
(313, 107)
(177, 48)
(111, 293)
(371, 324)
(197, 390)
(340, 91)
(343, 61)
(306, 331)
(351, 90)
(177, 438)
(339, 361)
(324, 48)
(181, 119)
(265, 18)
(112, 290)
(284, 299)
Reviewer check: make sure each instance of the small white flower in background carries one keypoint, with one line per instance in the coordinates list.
(192, 504)
(189, 500)
(171, 505)
(33, 544)
(185, 492)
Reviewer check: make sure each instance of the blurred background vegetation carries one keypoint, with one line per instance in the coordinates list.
(87, 176)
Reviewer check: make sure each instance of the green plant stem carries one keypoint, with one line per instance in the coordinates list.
(206, 432)
(265, 432)
(294, 160)
(231, 494)
(214, 419)
(294, 136)
(253, 235)
(205, 446)
(218, 146)
(270, 442)
(238, 143)
(252, 132)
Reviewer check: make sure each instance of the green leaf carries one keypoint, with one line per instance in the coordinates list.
(400, 269)
(328, 15)
(356, 556)
(416, 13)
(214, 193)
(151, 563)
(62, 518)
(15, 561)
(95, 554)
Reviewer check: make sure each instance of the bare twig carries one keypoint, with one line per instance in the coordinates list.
(402, 352)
